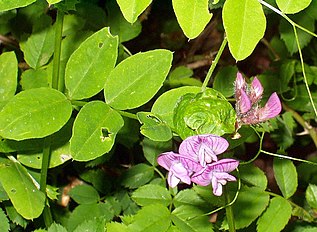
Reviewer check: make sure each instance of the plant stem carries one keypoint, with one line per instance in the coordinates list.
(288, 157)
(259, 151)
(311, 130)
(128, 115)
(229, 211)
(214, 63)
(57, 80)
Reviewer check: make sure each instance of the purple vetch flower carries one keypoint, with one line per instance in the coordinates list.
(247, 102)
(197, 162)
(203, 148)
(180, 167)
(216, 174)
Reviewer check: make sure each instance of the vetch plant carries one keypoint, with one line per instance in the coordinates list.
(197, 162)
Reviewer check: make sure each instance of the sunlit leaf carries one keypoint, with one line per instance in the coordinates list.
(8, 75)
(89, 66)
(292, 6)
(311, 195)
(132, 9)
(96, 126)
(151, 194)
(253, 176)
(12, 4)
(192, 16)
(136, 80)
(4, 222)
(34, 113)
(244, 27)
(24, 195)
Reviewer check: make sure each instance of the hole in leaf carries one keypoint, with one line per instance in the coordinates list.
(100, 45)
(13, 190)
(105, 134)
(38, 157)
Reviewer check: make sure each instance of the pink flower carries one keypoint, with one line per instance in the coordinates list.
(216, 174)
(197, 162)
(247, 102)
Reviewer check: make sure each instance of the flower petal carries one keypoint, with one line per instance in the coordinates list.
(179, 171)
(172, 180)
(244, 103)
(256, 90)
(166, 159)
(240, 82)
(271, 109)
(224, 165)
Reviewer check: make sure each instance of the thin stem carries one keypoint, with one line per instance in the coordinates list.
(160, 173)
(214, 63)
(57, 80)
(303, 71)
(311, 130)
(288, 157)
(128, 115)
(259, 151)
(229, 211)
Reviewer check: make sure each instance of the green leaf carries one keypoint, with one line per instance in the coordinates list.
(96, 125)
(154, 217)
(189, 197)
(192, 16)
(207, 112)
(4, 222)
(250, 204)
(31, 79)
(137, 176)
(84, 194)
(88, 67)
(115, 227)
(165, 104)
(153, 127)
(244, 27)
(137, 79)
(292, 6)
(15, 217)
(96, 225)
(182, 76)
(98, 178)
(51, 2)
(132, 9)
(39, 47)
(152, 149)
(34, 113)
(86, 212)
(56, 228)
(12, 4)
(286, 176)
(24, 195)
(223, 79)
(253, 176)
(288, 36)
(276, 216)
(8, 75)
(152, 194)
(58, 156)
(311, 195)
(181, 215)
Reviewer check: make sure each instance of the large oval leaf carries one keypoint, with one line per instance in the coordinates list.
(151, 194)
(286, 176)
(137, 79)
(34, 113)
(89, 66)
(8, 75)
(12, 4)
(94, 131)
(244, 23)
(292, 6)
(24, 195)
(192, 16)
(131, 9)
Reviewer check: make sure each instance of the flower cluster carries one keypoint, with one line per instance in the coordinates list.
(197, 162)
(248, 97)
